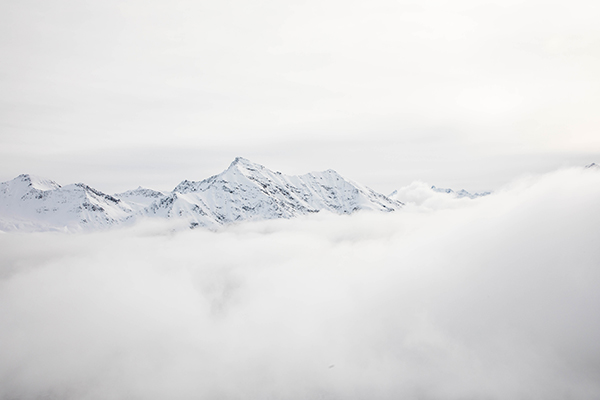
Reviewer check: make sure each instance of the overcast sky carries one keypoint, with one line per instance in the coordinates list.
(456, 93)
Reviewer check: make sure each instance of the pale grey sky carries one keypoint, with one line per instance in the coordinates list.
(458, 93)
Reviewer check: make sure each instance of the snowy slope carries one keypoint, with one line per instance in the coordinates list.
(248, 191)
(140, 198)
(245, 191)
(33, 203)
(461, 193)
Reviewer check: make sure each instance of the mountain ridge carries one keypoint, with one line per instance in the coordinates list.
(244, 191)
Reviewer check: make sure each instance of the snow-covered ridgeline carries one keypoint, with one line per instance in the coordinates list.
(245, 191)
(400, 195)
(32, 203)
(461, 193)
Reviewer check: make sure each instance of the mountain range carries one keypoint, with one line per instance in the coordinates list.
(461, 193)
(244, 191)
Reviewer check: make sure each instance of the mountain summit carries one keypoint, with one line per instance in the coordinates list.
(244, 191)
(249, 191)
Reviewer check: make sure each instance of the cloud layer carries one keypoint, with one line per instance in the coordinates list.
(494, 299)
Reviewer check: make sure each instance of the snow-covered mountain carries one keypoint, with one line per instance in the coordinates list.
(32, 203)
(140, 198)
(248, 191)
(423, 190)
(245, 191)
(461, 193)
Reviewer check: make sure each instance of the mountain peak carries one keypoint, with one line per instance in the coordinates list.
(37, 182)
(238, 160)
(241, 162)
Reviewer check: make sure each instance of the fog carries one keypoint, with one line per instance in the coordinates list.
(493, 298)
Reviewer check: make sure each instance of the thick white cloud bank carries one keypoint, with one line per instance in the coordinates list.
(496, 299)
